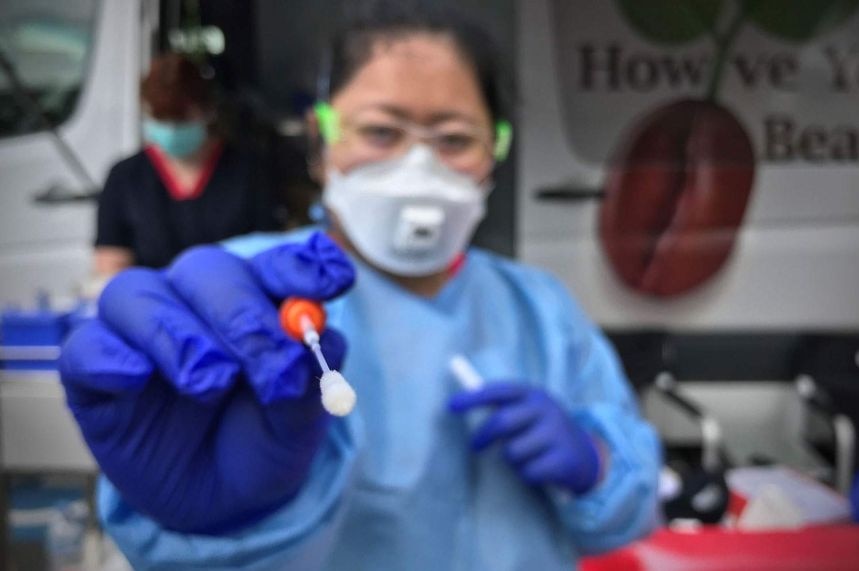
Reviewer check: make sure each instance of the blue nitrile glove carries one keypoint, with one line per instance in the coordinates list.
(540, 440)
(196, 405)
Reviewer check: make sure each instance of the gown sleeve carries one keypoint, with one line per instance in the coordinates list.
(624, 505)
(854, 498)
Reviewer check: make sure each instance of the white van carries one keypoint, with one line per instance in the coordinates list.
(80, 61)
(591, 71)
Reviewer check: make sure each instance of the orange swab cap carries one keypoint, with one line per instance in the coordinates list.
(291, 312)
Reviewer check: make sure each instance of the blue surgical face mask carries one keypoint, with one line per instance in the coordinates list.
(176, 139)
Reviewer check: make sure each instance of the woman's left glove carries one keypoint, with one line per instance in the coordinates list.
(198, 408)
(540, 439)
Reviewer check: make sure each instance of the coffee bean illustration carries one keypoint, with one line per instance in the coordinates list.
(676, 194)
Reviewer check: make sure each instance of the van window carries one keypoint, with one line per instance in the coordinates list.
(48, 44)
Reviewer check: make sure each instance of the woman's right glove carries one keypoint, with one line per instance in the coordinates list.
(196, 405)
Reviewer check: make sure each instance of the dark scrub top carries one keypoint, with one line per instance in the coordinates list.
(139, 208)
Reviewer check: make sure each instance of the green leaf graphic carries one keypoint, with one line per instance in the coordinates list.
(800, 20)
(671, 21)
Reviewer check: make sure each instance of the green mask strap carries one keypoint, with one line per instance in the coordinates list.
(329, 122)
(503, 140)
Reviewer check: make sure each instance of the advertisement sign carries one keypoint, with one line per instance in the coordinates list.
(681, 160)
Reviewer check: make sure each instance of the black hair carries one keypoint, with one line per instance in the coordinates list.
(367, 21)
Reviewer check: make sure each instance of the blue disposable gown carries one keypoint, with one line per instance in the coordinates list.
(395, 486)
(854, 498)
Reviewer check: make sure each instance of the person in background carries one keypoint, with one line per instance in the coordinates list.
(188, 186)
(206, 418)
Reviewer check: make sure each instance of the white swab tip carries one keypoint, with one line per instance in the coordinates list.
(338, 397)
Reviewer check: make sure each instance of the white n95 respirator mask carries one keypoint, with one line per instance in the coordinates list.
(410, 216)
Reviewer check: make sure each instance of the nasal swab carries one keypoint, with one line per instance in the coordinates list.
(338, 397)
(311, 339)
(302, 319)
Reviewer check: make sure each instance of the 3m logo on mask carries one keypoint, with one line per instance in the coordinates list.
(410, 216)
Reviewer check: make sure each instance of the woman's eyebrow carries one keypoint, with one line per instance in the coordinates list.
(397, 112)
(451, 116)
(401, 113)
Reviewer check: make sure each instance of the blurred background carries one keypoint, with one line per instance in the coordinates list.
(692, 176)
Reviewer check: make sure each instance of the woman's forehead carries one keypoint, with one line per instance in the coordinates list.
(422, 78)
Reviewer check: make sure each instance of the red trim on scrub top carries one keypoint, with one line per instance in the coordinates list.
(456, 265)
(174, 189)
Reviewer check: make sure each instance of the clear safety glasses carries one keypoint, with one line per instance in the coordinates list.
(375, 137)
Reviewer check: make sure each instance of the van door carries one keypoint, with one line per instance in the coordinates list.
(80, 60)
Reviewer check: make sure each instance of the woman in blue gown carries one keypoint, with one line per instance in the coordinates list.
(205, 416)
